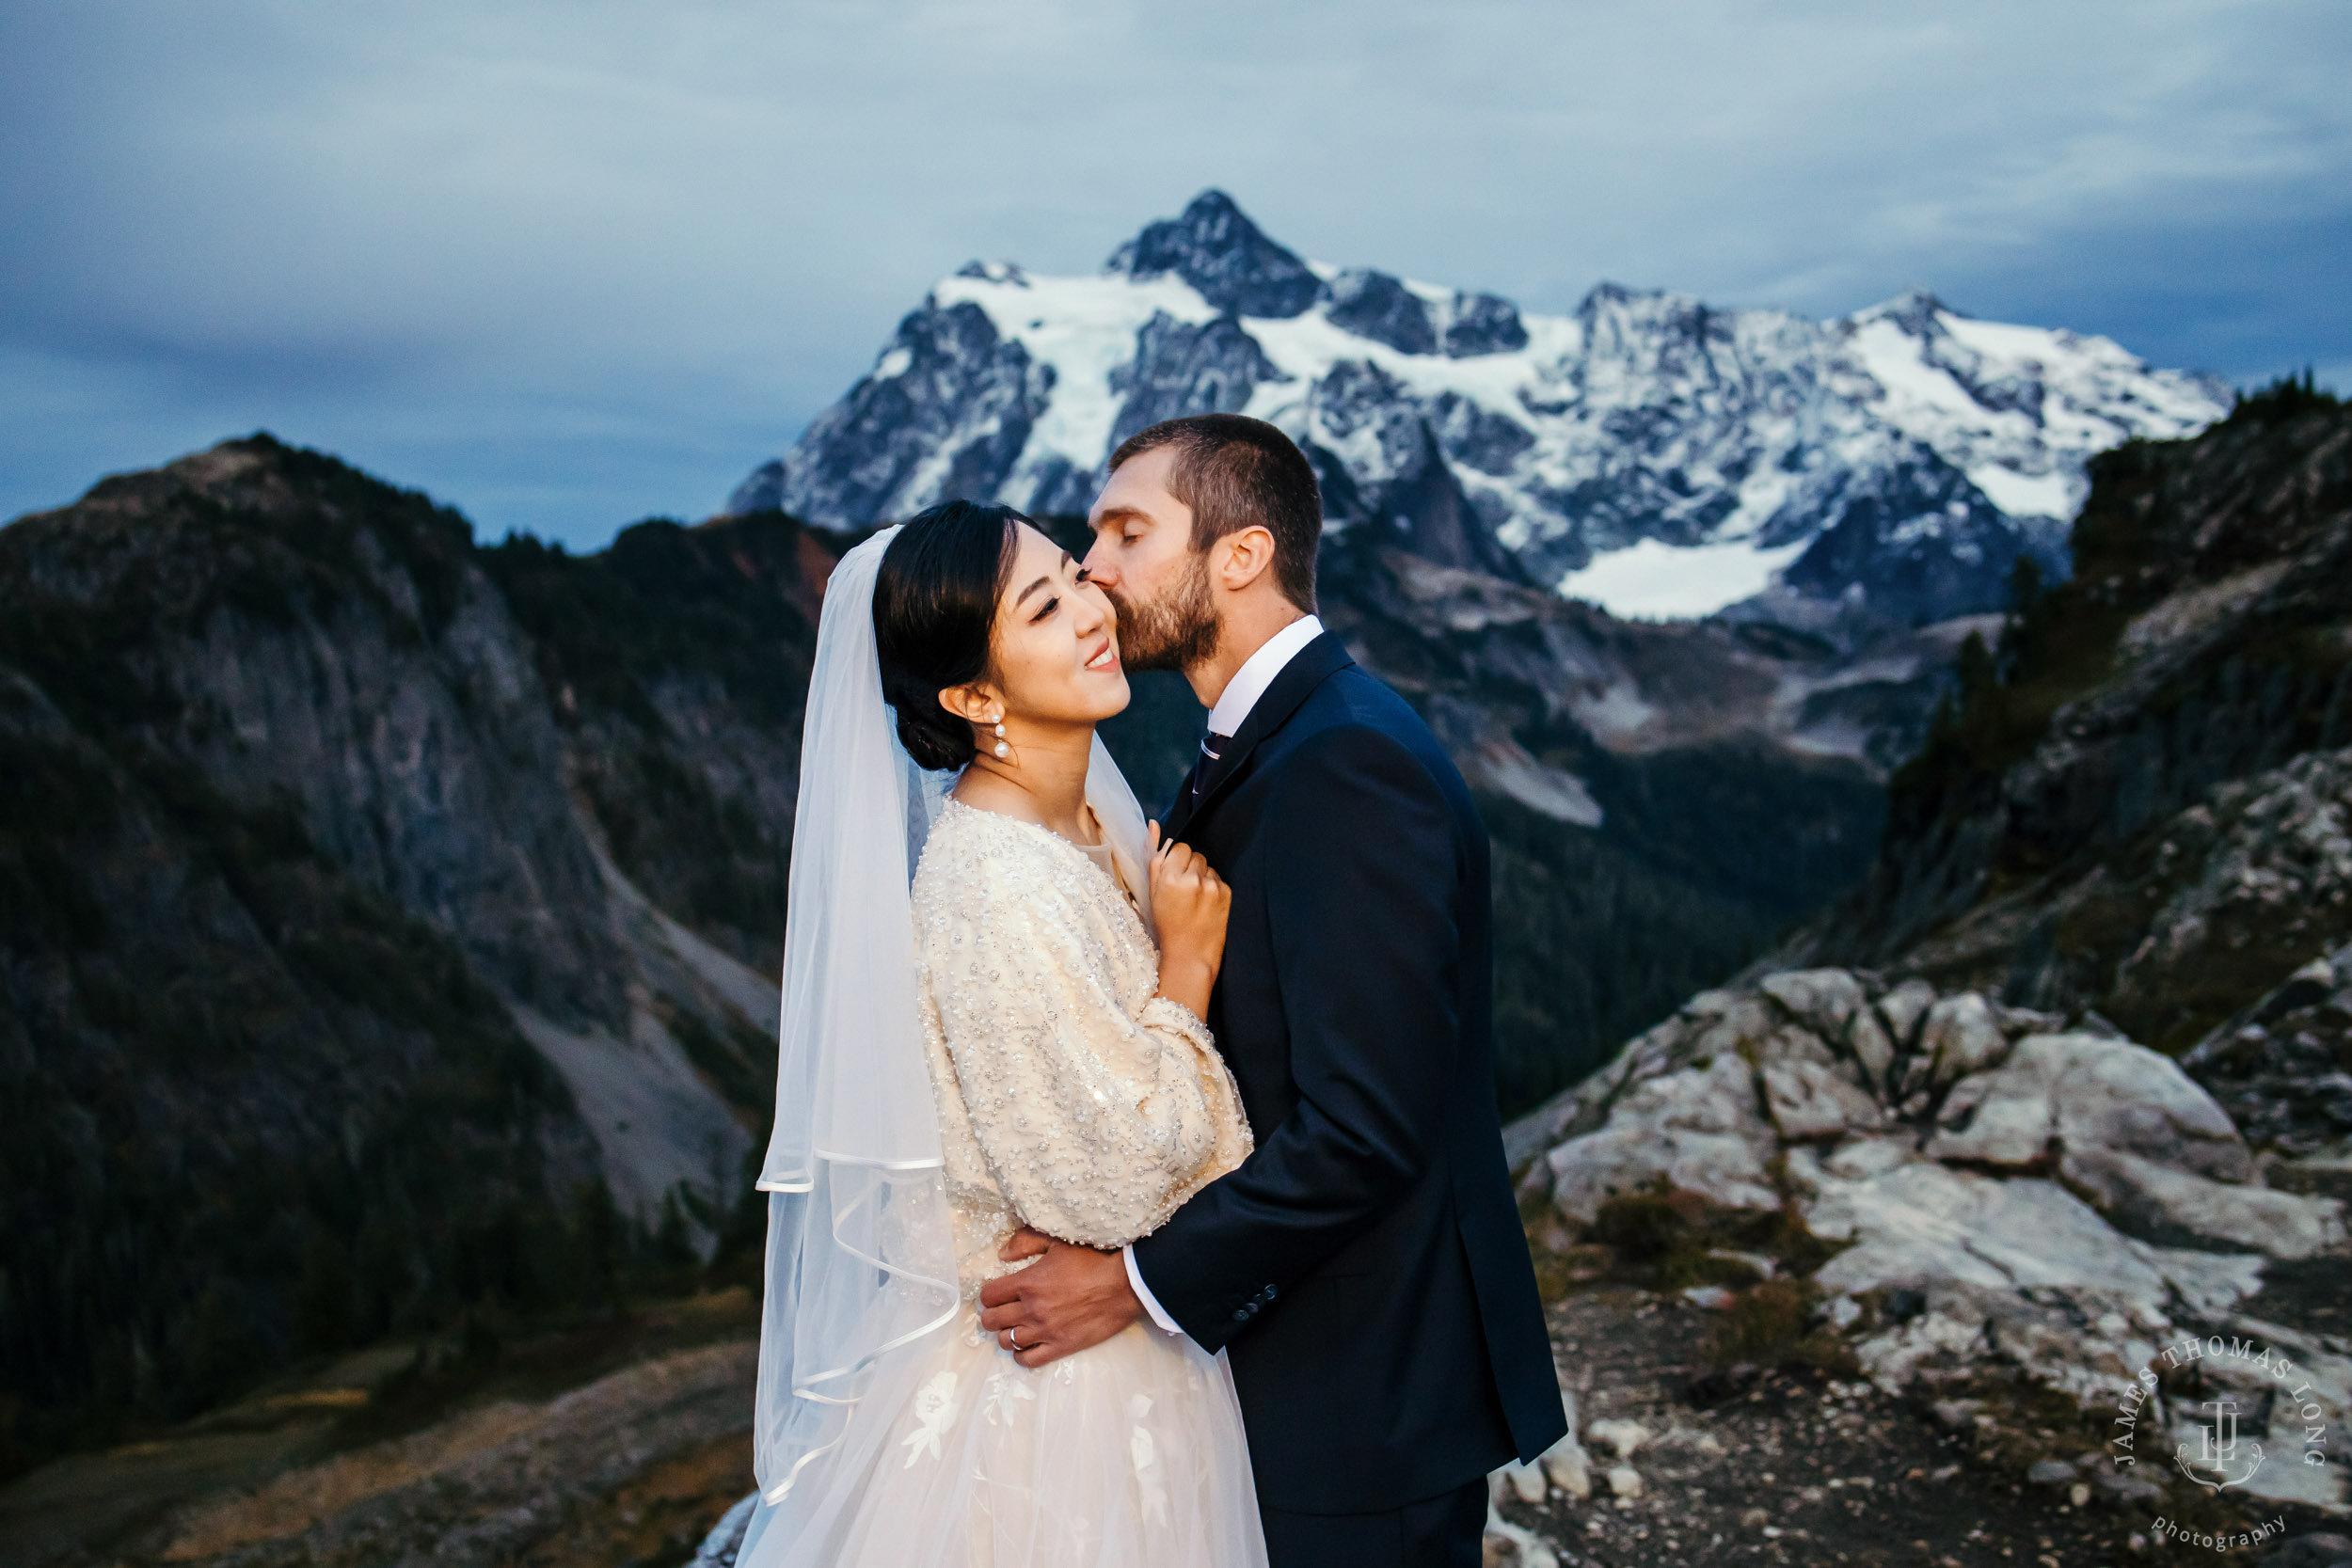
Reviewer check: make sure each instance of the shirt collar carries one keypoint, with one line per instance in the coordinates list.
(1257, 673)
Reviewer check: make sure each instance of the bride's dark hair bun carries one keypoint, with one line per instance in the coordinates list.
(935, 607)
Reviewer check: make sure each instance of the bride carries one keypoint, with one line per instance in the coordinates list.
(991, 1020)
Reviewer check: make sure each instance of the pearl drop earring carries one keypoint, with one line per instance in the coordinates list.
(1001, 749)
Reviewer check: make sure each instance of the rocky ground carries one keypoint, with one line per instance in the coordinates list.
(1863, 1273)
(1689, 1457)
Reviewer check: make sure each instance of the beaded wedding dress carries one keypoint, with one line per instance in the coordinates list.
(1063, 1094)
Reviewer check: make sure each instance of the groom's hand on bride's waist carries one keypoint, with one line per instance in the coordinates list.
(1070, 1298)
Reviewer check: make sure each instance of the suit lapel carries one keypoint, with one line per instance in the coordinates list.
(1307, 668)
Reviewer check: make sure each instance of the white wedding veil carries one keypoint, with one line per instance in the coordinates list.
(861, 1268)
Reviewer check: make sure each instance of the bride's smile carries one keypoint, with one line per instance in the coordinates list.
(1057, 644)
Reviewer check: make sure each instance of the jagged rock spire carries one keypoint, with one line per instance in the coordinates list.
(1215, 247)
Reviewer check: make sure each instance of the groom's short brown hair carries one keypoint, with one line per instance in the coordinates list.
(1233, 471)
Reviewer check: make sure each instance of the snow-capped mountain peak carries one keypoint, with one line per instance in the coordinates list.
(1650, 451)
(1226, 258)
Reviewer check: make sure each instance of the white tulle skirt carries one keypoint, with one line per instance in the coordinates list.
(1128, 1455)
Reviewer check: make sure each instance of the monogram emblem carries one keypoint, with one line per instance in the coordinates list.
(2222, 1460)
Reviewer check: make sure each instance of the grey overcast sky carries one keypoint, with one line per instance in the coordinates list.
(568, 263)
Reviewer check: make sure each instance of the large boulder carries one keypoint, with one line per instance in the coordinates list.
(1697, 1130)
(2018, 1272)
(1809, 1099)
(2070, 1093)
(2060, 1202)
(1960, 1037)
(1922, 1222)
(2147, 1198)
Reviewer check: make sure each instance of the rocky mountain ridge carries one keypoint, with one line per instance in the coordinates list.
(2131, 824)
(387, 924)
(1648, 453)
(2137, 805)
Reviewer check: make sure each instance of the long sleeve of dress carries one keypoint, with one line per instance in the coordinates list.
(1095, 1107)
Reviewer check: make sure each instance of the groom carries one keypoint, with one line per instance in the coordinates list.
(1365, 1268)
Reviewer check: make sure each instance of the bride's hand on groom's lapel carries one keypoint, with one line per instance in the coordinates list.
(1071, 1298)
(1190, 906)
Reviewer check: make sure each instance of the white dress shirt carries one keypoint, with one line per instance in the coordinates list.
(1257, 673)
(1232, 711)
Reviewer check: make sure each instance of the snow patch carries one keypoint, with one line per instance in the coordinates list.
(2029, 495)
(1618, 712)
(1922, 397)
(1307, 347)
(1651, 581)
(1085, 328)
(1503, 764)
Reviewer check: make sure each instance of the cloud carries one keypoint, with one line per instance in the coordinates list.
(568, 263)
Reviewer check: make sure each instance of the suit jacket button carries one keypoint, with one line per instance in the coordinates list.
(1241, 1314)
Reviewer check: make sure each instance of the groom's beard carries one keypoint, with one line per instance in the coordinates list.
(1177, 631)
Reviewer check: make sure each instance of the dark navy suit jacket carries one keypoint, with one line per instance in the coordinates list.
(1365, 1268)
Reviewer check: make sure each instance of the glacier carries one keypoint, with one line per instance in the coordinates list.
(1653, 455)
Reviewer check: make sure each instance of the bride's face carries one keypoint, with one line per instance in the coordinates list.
(1055, 644)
